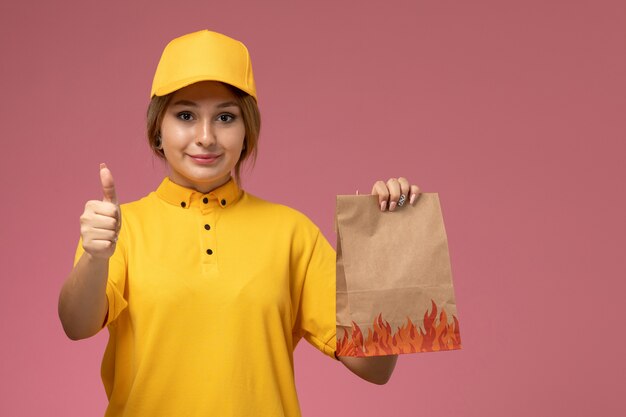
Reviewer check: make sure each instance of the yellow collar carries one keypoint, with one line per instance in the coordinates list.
(223, 196)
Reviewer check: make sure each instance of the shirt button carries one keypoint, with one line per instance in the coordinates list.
(183, 204)
(209, 252)
(207, 227)
(205, 200)
(223, 202)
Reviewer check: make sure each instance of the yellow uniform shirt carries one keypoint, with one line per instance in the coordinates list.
(208, 297)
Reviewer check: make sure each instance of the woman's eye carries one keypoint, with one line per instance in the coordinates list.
(185, 116)
(226, 118)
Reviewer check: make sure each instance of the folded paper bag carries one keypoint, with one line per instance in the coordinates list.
(394, 280)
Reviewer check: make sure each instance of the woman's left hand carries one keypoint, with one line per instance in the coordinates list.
(394, 193)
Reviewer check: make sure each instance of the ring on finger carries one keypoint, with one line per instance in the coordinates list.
(401, 200)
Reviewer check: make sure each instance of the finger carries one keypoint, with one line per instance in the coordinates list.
(405, 189)
(104, 222)
(415, 192)
(101, 234)
(100, 245)
(103, 208)
(380, 189)
(108, 186)
(394, 193)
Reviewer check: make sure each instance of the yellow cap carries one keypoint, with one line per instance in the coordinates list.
(203, 56)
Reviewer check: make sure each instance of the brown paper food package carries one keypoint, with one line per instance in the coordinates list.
(394, 279)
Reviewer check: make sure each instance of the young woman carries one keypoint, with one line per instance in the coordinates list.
(204, 288)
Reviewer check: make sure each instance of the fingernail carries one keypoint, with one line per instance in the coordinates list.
(392, 206)
(412, 199)
(103, 165)
(383, 206)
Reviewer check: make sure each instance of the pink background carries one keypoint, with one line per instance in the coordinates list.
(512, 111)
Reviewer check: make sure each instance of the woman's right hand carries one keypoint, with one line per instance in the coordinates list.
(101, 221)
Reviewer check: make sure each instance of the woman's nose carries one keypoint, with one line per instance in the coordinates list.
(205, 135)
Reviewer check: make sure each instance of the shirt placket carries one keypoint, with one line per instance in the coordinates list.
(208, 241)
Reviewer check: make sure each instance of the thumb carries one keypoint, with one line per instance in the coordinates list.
(108, 186)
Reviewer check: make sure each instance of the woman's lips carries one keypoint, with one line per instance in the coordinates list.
(205, 159)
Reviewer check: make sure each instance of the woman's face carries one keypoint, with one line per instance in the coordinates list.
(202, 134)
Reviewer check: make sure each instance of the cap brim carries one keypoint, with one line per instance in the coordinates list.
(172, 87)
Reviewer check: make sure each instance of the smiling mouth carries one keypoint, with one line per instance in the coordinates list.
(205, 159)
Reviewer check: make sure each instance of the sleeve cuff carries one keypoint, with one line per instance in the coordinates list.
(117, 303)
(328, 348)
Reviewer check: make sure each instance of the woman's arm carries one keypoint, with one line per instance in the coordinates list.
(374, 369)
(83, 304)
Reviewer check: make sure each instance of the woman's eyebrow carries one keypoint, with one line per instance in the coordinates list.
(185, 103)
(227, 104)
(193, 104)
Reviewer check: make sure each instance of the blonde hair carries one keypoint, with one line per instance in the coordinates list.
(249, 112)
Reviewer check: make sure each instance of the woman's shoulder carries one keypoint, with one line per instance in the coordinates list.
(276, 212)
(140, 204)
(142, 209)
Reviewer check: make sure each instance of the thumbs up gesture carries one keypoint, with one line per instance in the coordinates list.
(101, 221)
